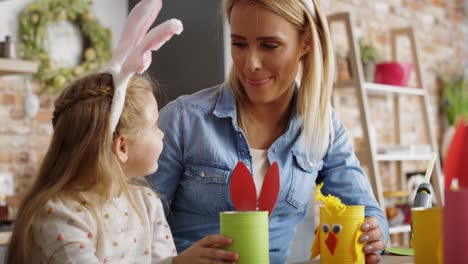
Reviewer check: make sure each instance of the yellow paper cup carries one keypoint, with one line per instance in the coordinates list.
(249, 231)
(427, 235)
(339, 235)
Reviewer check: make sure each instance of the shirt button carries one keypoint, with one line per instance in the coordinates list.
(311, 163)
(274, 150)
(202, 174)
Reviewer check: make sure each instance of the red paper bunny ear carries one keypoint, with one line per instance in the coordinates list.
(243, 193)
(242, 189)
(456, 162)
(270, 189)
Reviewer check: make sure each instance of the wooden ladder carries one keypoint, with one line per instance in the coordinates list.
(369, 156)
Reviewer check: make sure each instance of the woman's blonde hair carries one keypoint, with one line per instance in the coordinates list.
(80, 163)
(316, 76)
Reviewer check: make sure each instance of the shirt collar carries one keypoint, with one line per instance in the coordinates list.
(226, 103)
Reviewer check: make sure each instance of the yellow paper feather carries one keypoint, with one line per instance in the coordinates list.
(333, 204)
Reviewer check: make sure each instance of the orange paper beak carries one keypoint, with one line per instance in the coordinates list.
(331, 242)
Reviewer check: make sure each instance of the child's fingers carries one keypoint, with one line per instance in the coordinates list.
(218, 240)
(218, 254)
(217, 246)
(209, 261)
(210, 249)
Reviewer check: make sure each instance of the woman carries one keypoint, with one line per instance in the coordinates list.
(260, 116)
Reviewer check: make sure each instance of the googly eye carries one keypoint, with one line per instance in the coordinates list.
(336, 228)
(326, 228)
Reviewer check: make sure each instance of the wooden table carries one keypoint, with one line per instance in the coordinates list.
(386, 259)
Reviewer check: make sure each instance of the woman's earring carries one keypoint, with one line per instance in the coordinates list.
(124, 158)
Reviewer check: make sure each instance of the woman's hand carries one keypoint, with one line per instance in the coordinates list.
(372, 238)
(207, 250)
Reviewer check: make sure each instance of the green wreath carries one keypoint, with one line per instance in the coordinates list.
(33, 32)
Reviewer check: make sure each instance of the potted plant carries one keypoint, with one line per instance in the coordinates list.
(369, 56)
(454, 102)
(393, 73)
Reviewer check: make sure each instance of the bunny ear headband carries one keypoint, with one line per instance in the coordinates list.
(133, 52)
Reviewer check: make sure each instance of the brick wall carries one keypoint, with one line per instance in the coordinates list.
(23, 141)
(441, 31)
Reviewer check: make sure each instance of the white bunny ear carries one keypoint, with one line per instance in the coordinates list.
(138, 22)
(140, 58)
(138, 61)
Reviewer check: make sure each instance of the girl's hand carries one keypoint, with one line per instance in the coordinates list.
(207, 250)
(372, 238)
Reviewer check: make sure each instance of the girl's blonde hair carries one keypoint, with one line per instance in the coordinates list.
(80, 163)
(316, 76)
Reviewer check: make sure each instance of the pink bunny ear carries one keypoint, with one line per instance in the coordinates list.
(140, 58)
(138, 22)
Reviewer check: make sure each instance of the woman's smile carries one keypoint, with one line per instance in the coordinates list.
(257, 82)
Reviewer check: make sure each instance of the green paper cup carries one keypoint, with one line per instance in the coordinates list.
(249, 231)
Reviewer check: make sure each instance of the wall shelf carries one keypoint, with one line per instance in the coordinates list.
(394, 89)
(400, 229)
(403, 157)
(16, 66)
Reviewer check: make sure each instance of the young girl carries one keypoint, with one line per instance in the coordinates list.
(88, 204)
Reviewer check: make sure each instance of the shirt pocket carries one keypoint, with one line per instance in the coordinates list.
(204, 187)
(304, 174)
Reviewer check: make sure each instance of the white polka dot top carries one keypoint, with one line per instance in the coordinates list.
(67, 232)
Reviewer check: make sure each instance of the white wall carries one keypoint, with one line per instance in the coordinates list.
(111, 13)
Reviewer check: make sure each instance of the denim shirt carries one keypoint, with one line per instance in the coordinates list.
(202, 144)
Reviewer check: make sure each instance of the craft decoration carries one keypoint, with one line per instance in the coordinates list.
(455, 227)
(31, 102)
(337, 237)
(248, 226)
(422, 199)
(133, 53)
(456, 162)
(455, 212)
(33, 25)
(427, 226)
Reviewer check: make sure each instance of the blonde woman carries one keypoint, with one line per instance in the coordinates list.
(258, 116)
